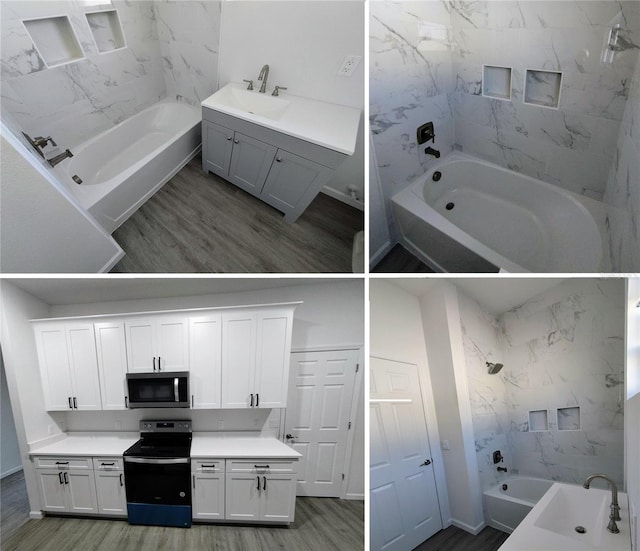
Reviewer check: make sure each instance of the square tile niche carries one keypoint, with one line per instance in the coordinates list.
(106, 29)
(569, 418)
(538, 420)
(496, 82)
(54, 39)
(542, 88)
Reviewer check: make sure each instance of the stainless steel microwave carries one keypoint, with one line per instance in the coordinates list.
(158, 390)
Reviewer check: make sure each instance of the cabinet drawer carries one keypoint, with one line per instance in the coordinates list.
(207, 465)
(108, 464)
(261, 466)
(80, 463)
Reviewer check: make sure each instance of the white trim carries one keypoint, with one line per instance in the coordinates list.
(354, 497)
(475, 530)
(325, 348)
(485, 65)
(353, 416)
(112, 261)
(343, 198)
(36, 515)
(11, 471)
(380, 253)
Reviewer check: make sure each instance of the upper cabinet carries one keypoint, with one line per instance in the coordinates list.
(205, 353)
(158, 343)
(111, 350)
(68, 366)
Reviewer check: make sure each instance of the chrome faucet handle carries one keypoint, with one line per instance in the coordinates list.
(277, 89)
(42, 142)
(250, 87)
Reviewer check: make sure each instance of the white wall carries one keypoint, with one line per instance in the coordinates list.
(10, 461)
(304, 44)
(447, 367)
(396, 334)
(40, 229)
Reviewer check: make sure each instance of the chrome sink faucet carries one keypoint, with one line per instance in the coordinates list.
(615, 508)
(263, 76)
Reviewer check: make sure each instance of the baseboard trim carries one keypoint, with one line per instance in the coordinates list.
(11, 471)
(36, 515)
(379, 254)
(474, 530)
(343, 198)
(359, 497)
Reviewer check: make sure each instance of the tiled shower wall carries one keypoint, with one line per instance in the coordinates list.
(623, 187)
(564, 348)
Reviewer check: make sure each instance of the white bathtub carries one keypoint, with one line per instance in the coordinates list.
(505, 509)
(498, 220)
(124, 166)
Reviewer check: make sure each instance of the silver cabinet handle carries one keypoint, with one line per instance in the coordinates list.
(192, 400)
(126, 402)
(176, 393)
(62, 462)
(154, 461)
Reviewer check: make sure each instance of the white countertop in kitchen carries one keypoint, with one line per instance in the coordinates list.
(238, 445)
(89, 444)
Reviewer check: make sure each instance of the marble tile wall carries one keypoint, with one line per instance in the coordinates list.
(75, 101)
(562, 349)
(572, 146)
(189, 44)
(623, 187)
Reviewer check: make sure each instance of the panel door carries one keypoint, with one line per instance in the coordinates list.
(242, 496)
(250, 163)
(293, 182)
(84, 366)
(172, 343)
(317, 419)
(278, 498)
(208, 496)
(81, 488)
(141, 345)
(112, 364)
(205, 352)
(52, 490)
(272, 358)
(238, 359)
(53, 358)
(217, 143)
(111, 493)
(404, 505)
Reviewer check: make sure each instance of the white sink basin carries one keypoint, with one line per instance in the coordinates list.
(552, 523)
(252, 102)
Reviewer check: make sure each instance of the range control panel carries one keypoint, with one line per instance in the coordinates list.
(165, 426)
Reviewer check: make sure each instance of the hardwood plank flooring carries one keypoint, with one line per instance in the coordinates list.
(455, 539)
(14, 504)
(400, 260)
(321, 524)
(198, 222)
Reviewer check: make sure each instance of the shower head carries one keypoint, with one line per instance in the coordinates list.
(493, 368)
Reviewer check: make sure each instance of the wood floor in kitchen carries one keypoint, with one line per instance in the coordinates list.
(198, 222)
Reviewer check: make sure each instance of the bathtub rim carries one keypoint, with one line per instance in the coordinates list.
(494, 491)
(411, 199)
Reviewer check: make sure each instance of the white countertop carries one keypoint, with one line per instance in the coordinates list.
(326, 124)
(231, 445)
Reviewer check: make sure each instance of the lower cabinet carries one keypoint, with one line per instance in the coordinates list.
(207, 478)
(112, 495)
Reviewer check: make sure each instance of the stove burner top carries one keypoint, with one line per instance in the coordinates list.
(162, 439)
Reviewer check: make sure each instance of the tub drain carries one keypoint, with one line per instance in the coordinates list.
(581, 530)
(449, 206)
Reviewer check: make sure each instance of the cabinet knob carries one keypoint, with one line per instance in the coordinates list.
(279, 160)
(228, 138)
(236, 141)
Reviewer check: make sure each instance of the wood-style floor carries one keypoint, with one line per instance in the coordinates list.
(198, 222)
(455, 539)
(400, 260)
(321, 523)
(14, 505)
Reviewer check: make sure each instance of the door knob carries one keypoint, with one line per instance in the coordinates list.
(290, 437)
(426, 462)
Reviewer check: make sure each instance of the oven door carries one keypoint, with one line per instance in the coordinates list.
(158, 491)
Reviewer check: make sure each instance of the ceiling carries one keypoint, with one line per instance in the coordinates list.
(496, 294)
(61, 291)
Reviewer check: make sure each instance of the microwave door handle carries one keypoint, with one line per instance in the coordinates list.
(176, 393)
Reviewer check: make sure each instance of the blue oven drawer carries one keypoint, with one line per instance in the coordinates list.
(159, 515)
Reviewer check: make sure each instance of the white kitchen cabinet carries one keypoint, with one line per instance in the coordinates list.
(208, 494)
(158, 343)
(255, 358)
(205, 358)
(66, 488)
(52, 490)
(68, 365)
(112, 364)
(112, 498)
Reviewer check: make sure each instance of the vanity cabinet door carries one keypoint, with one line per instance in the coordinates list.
(251, 160)
(217, 143)
(292, 184)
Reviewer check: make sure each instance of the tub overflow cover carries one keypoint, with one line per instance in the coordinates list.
(450, 206)
(436, 176)
(581, 530)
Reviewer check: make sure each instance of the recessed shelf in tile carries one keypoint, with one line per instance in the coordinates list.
(496, 82)
(106, 29)
(538, 420)
(54, 39)
(542, 88)
(569, 418)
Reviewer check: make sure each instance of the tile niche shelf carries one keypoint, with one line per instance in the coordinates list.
(538, 420)
(496, 82)
(569, 418)
(55, 40)
(542, 88)
(106, 30)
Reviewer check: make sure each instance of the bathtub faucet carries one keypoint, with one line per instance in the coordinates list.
(615, 508)
(59, 158)
(263, 76)
(431, 151)
(502, 469)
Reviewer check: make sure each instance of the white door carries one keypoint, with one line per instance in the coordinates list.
(112, 363)
(404, 509)
(84, 366)
(238, 359)
(112, 499)
(205, 353)
(272, 358)
(317, 418)
(173, 343)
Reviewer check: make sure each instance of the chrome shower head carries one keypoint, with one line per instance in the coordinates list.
(493, 368)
